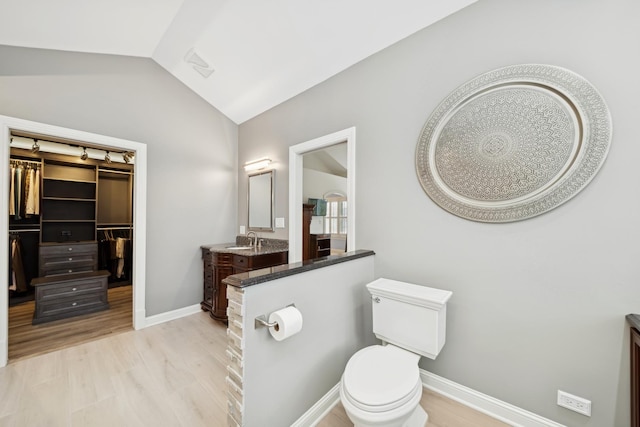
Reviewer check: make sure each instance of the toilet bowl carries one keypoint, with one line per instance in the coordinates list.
(381, 384)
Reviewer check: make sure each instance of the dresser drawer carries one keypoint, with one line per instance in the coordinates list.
(68, 258)
(69, 289)
(60, 249)
(58, 297)
(52, 268)
(67, 307)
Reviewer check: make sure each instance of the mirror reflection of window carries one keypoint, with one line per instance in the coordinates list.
(335, 222)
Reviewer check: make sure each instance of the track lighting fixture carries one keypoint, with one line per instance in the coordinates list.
(84, 155)
(107, 158)
(127, 156)
(35, 147)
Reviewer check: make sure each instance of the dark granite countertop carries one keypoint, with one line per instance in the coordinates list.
(272, 273)
(224, 248)
(634, 320)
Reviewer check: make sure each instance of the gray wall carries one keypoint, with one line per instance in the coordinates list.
(192, 150)
(283, 379)
(538, 305)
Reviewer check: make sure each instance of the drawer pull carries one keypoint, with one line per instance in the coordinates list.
(74, 304)
(70, 249)
(70, 259)
(74, 289)
(70, 271)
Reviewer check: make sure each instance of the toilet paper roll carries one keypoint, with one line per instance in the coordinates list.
(289, 321)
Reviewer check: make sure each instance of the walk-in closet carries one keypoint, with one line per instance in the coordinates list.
(70, 243)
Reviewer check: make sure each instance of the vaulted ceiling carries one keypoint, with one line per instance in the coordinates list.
(241, 56)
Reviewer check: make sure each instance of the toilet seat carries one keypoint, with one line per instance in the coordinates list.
(381, 378)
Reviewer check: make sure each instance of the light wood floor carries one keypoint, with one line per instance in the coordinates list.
(443, 412)
(26, 339)
(170, 374)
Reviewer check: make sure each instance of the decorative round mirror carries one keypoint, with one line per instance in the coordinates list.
(513, 143)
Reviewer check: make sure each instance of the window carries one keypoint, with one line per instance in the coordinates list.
(335, 222)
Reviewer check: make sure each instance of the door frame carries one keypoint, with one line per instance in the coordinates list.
(7, 124)
(296, 185)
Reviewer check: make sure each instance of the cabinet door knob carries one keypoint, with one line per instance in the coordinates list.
(70, 271)
(73, 289)
(74, 304)
(70, 249)
(70, 259)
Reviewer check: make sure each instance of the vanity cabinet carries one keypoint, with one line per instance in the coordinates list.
(218, 265)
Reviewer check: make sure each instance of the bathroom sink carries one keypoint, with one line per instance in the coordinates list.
(239, 248)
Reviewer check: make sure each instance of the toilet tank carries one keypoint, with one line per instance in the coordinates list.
(410, 316)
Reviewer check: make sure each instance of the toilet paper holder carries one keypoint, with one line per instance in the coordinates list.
(262, 320)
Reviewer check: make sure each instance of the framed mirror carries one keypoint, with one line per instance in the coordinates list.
(260, 200)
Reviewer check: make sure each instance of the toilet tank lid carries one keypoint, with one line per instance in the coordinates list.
(409, 292)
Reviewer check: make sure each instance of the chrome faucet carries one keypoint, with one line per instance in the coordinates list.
(253, 242)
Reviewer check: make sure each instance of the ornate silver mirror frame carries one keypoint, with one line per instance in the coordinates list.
(513, 143)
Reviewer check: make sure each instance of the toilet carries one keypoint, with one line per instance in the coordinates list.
(381, 384)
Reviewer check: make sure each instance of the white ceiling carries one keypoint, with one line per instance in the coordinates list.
(262, 52)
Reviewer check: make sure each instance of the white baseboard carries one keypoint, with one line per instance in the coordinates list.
(318, 411)
(495, 408)
(171, 315)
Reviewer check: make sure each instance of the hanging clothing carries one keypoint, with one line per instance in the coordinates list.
(18, 281)
(12, 196)
(36, 192)
(30, 191)
(19, 191)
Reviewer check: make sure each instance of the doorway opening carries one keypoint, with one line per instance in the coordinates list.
(12, 126)
(296, 187)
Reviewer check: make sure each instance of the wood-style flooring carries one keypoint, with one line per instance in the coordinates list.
(26, 339)
(172, 374)
(442, 411)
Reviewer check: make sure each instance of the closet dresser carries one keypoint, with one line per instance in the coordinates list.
(70, 281)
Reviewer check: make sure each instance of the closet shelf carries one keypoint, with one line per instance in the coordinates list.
(69, 220)
(70, 199)
(68, 180)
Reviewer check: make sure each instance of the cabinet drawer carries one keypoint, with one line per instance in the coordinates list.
(58, 297)
(68, 248)
(69, 289)
(68, 306)
(240, 261)
(67, 270)
(222, 258)
(68, 258)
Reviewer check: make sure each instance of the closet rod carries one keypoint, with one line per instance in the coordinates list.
(114, 228)
(25, 161)
(114, 171)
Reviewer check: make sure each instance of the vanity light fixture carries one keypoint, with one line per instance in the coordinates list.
(84, 155)
(36, 147)
(255, 165)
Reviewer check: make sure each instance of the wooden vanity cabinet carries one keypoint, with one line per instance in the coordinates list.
(219, 265)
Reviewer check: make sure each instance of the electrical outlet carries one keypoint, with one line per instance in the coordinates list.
(242, 229)
(575, 403)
